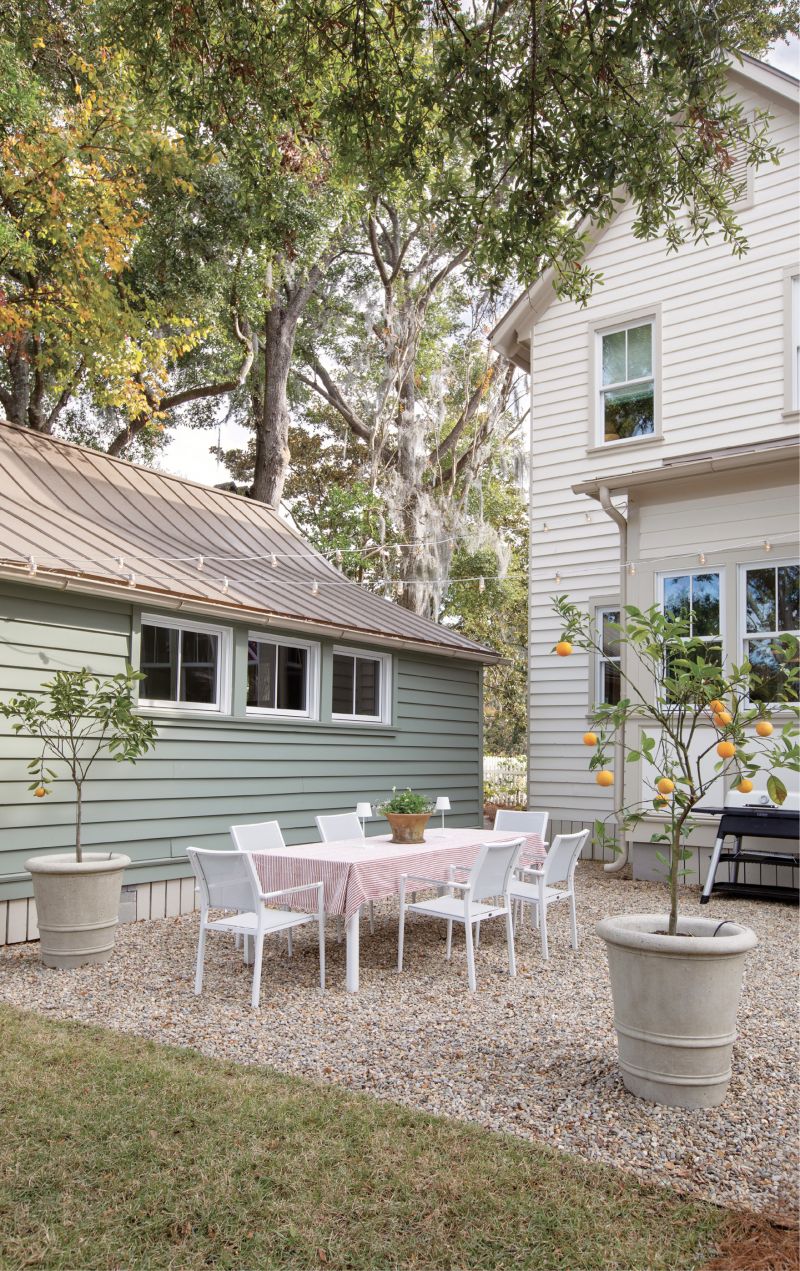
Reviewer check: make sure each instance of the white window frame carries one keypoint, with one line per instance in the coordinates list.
(609, 326)
(222, 706)
(312, 676)
(791, 340)
(600, 658)
(679, 572)
(385, 685)
(743, 635)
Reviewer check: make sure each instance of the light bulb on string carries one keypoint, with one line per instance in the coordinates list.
(273, 560)
(315, 588)
(398, 552)
(631, 569)
(400, 587)
(131, 580)
(481, 584)
(545, 528)
(558, 579)
(702, 558)
(225, 585)
(767, 545)
(338, 556)
(200, 562)
(31, 565)
(120, 561)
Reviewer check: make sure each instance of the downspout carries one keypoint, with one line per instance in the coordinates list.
(604, 498)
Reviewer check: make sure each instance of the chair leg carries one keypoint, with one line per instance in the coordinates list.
(401, 929)
(371, 918)
(449, 948)
(543, 930)
(573, 920)
(258, 953)
(470, 956)
(321, 925)
(201, 954)
(512, 960)
(478, 934)
(289, 942)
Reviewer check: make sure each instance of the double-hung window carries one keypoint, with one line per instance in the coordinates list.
(185, 665)
(361, 686)
(695, 599)
(607, 686)
(771, 609)
(282, 677)
(626, 389)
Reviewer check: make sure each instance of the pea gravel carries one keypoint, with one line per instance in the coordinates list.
(535, 1056)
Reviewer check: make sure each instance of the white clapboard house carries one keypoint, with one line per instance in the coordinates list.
(664, 449)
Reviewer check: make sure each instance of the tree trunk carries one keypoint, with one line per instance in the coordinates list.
(78, 850)
(272, 428)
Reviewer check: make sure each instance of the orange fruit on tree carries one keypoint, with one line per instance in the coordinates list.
(716, 706)
(723, 718)
(605, 778)
(39, 792)
(661, 801)
(563, 648)
(764, 728)
(665, 785)
(590, 739)
(745, 785)
(726, 750)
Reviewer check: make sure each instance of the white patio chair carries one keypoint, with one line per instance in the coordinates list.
(559, 866)
(528, 822)
(228, 880)
(489, 878)
(344, 825)
(260, 836)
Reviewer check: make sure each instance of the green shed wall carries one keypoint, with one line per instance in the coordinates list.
(208, 773)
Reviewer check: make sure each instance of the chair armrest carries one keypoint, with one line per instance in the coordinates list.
(527, 869)
(435, 882)
(289, 891)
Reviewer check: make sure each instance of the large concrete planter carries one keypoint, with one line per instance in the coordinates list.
(408, 827)
(675, 1004)
(77, 906)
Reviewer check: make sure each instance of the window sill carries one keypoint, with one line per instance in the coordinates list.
(630, 443)
(792, 415)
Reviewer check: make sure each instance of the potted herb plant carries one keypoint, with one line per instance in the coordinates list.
(408, 814)
(676, 979)
(78, 718)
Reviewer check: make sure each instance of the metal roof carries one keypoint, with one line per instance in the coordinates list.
(75, 518)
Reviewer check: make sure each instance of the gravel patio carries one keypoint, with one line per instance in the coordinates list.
(533, 1056)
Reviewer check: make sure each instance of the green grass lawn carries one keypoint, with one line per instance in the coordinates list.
(117, 1153)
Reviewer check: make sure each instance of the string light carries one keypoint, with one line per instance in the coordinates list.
(702, 558)
(225, 586)
(398, 552)
(31, 565)
(481, 585)
(558, 579)
(631, 568)
(339, 557)
(588, 516)
(767, 545)
(273, 560)
(131, 580)
(545, 528)
(400, 587)
(200, 562)
(120, 563)
(315, 588)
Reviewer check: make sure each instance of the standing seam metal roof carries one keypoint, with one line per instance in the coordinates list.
(76, 511)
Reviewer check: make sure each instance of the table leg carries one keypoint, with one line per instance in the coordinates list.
(712, 870)
(352, 951)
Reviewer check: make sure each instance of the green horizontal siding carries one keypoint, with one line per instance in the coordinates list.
(207, 774)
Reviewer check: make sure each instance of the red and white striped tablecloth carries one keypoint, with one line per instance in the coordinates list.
(355, 871)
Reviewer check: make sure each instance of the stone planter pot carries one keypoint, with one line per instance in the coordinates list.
(77, 906)
(408, 827)
(675, 1004)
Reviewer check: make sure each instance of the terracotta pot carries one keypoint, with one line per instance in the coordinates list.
(408, 827)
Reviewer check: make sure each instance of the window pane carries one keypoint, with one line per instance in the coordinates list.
(159, 662)
(788, 597)
(367, 687)
(292, 666)
(705, 604)
(676, 597)
(343, 670)
(760, 602)
(611, 683)
(767, 667)
(640, 352)
(261, 674)
(614, 358)
(198, 667)
(628, 412)
(609, 637)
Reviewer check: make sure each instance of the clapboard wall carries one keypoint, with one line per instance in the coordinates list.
(208, 773)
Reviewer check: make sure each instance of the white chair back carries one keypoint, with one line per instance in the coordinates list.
(563, 856)
(227, 880)
(522, 822)
(491, 872)
(261, 836)
(344, 826)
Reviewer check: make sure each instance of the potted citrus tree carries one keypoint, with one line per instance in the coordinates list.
(407, 813)
(676, 979)
(78, 718)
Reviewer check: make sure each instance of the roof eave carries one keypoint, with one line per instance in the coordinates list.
(680, 470)
(243, 613)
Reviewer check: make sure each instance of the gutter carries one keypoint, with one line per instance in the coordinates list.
(603, 497)
(241, 613)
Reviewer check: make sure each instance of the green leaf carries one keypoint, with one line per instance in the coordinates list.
(776, 789)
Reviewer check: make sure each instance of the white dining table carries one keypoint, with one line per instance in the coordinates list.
(356, 871)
